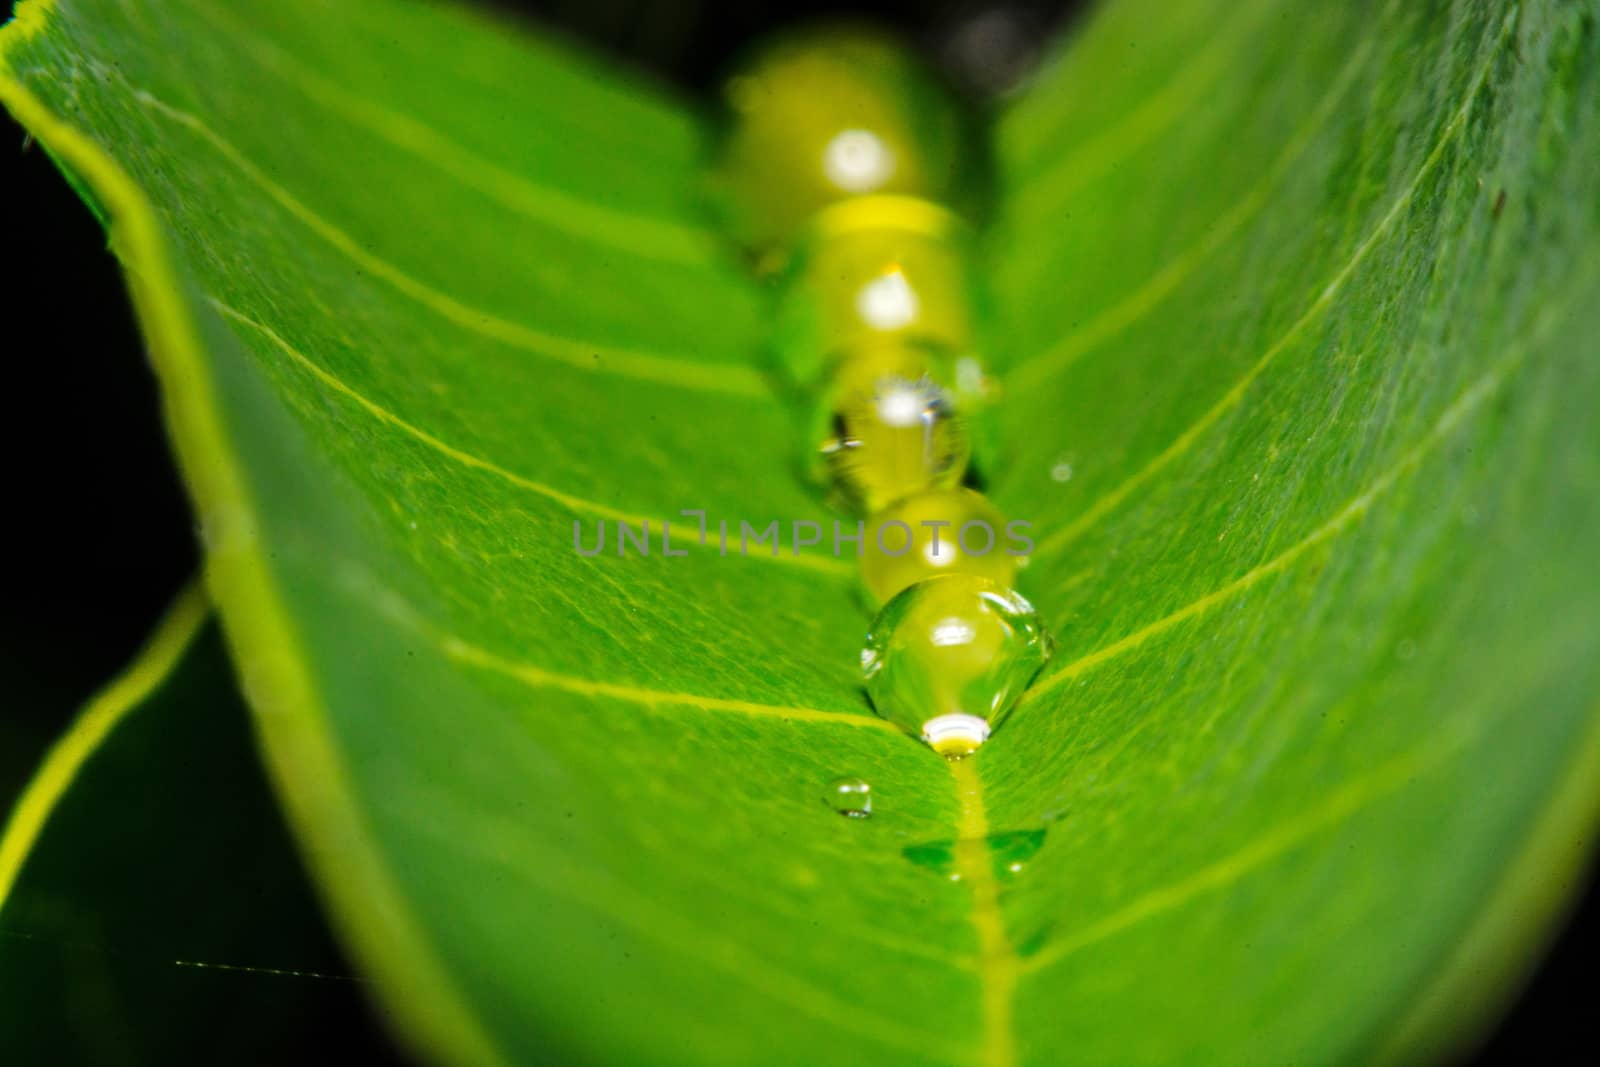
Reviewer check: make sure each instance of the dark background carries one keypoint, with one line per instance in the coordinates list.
(100, 533)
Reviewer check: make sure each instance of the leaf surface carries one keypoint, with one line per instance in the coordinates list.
(1295, 316)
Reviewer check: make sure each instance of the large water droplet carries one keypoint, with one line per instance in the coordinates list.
(850, 797)
(947, 658)
(934, 533)
(873, 269)
(886, 427)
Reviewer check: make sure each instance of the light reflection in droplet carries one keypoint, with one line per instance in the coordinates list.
(887, 302)
(956, 735)
(951, 632)
(857, 161)
(901, 403)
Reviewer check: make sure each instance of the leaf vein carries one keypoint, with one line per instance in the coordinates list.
(539, 678)
(463, 651)
(1343, 805)
(639, 235)
(821, 564)
(1103, 151)
(1107, 323)
(734, 379)
(1355, 509)
(1240, 388)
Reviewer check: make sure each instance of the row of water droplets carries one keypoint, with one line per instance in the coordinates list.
(850, 178)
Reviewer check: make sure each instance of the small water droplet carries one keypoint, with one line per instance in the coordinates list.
(1009, 852)
(1062, 471)
(850, 797)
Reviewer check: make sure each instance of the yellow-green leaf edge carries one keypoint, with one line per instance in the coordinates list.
(260, 634)
(152, 666)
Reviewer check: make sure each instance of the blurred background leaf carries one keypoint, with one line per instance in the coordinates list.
(152, 908)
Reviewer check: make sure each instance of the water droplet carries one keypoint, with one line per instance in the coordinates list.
(850, 797)
(821, 116)
(1062, 471)
(887, 427)
(948, 658)
(933, 533)
(873, 270)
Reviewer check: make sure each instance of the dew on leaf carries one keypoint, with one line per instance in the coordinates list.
(933, 533)
(885, 427)
(946, 659)
(850, 797)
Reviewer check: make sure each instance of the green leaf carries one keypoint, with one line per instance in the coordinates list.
(1291, 307)
(152, 910)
